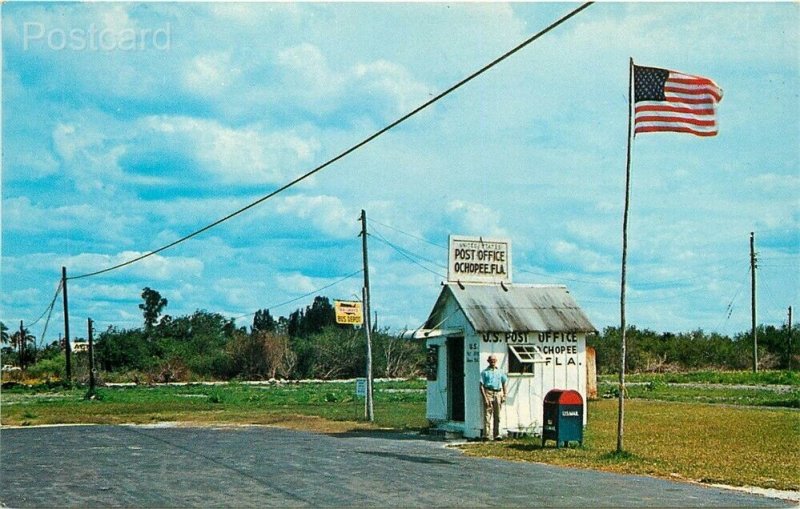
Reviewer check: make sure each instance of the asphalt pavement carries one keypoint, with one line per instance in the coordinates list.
(167, 466)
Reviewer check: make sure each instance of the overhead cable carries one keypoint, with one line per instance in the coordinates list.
(409, 256)
(349, 150)
(49, 314)
(343, 278)
(373, 220)
(49, 308)
(729, 308)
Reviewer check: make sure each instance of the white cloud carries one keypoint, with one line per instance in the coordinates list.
(246, 155)
(296, 283)
(308, 65)
(105, 292)
(574, 256)
(23, 297)
(326, 213)
(211, 74)
(242, 294)
(379, 88)
(21, 215)
(155, 267)
(38, 166)
(89, 155)
(383, 78)
(475, 219)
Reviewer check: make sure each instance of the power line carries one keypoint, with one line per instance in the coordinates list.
(405, 251)
(274, 306)
(49, 308)
(49, 314)
(409, 256)
(560, 278)
(349, 150)
(408, 234)
(729, 308)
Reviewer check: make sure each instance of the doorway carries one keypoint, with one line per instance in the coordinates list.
(455, 379)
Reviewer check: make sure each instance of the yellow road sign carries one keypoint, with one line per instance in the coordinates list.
(348, 312)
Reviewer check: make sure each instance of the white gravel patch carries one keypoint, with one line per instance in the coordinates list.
(793, 496)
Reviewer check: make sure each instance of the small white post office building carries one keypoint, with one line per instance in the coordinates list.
(538, 334)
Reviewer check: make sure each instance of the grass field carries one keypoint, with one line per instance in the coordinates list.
(766, 388)
(233, 403)
(738, 446)
(685, 438)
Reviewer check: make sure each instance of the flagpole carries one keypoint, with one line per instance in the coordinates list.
(623, 327)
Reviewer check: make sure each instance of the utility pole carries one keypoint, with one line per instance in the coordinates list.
(91, 393)
(21, 345)
(367, 321)
(753, 266)
(790, 338)
(67, 347)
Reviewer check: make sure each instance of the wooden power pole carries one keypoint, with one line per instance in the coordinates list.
(367, 320)
(92, 382)
(790, 338)
(21, 345)
(753, 266)
(67, 347)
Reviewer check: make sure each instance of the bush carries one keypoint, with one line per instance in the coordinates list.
(48, 369)
(218, 365)
(334, 353)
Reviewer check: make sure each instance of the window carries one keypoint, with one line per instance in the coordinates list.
(432, 363)
(522, 358)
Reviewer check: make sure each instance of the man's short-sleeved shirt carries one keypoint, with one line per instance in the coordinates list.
(493, 378)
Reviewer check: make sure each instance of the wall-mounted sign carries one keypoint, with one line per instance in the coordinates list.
(479, 260)
(348, 312)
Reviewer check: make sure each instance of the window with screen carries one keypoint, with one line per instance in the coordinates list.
(522, 358)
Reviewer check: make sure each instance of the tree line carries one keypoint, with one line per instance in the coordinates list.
(309, 344)
(650, 351)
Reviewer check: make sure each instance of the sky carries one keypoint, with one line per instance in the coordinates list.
(127, 126)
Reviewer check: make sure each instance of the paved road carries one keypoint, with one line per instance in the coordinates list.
(137, 466)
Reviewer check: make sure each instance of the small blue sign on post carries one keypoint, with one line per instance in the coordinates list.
(361, 387)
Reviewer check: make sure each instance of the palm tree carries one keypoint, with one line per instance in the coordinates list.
(4, 337)
(20, 340)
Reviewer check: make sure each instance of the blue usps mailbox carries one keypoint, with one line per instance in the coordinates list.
(563, 417)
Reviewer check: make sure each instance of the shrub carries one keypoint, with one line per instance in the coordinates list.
(48, 368)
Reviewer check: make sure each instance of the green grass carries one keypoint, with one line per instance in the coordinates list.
(721, 395)
(689, 438)
(768, 388)
(737, 446)
(234, 403)
(714, 377)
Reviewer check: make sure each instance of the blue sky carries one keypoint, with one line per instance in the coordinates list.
(127, 126)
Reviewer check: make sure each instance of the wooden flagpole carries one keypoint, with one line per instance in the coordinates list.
(623, 327)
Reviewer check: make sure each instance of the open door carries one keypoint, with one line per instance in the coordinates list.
(455, 379)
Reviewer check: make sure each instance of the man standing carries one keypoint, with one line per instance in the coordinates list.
(493, 389)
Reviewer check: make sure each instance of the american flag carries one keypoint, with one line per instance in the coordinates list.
(672, 101)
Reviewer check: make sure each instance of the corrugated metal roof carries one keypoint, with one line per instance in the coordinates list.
(520, 308)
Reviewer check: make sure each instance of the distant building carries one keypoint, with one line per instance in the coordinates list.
(80, 346)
